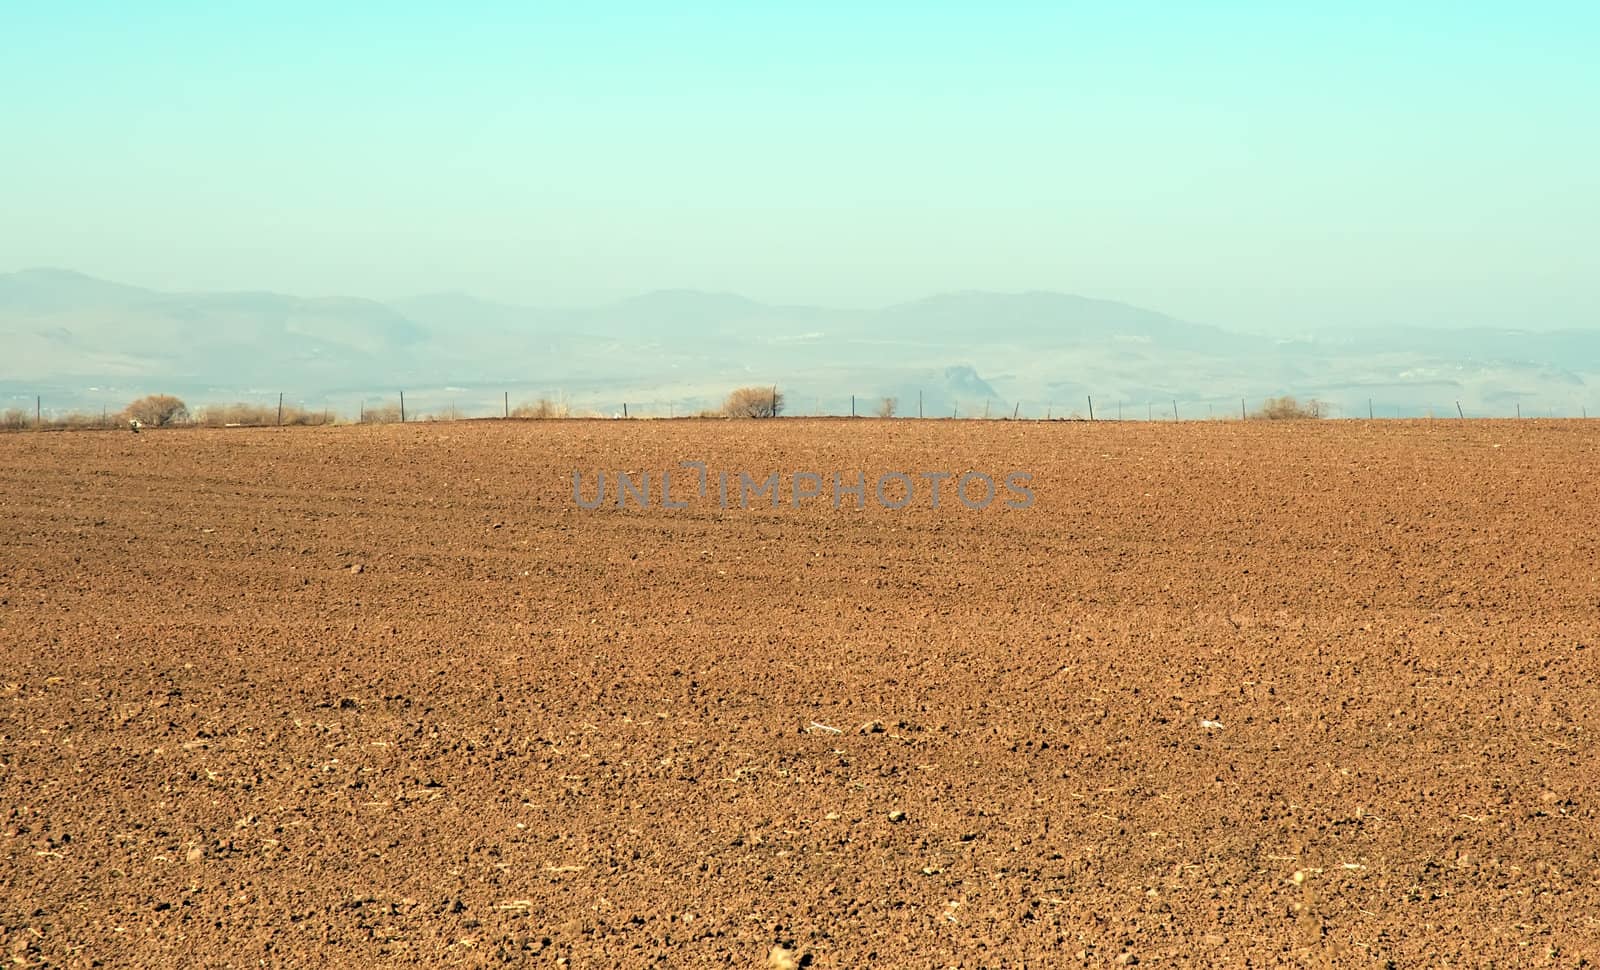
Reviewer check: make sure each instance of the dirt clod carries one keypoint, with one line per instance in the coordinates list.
(541, 743)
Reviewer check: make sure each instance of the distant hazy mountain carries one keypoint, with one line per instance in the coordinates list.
(1044, 320)
(68, 326)
(84, 342)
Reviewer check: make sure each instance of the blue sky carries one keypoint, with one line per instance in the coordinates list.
(1245, 164)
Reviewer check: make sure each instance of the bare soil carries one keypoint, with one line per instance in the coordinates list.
(1239, 694)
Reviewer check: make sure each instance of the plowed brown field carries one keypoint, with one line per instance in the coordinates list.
(1227, 694)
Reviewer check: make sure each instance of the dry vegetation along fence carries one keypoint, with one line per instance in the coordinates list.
(759, 402)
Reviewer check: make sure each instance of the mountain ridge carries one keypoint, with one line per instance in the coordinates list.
(684, 347)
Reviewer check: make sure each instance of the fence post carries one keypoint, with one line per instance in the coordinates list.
(1174, 409)
(919, 402)
(280, 409)
(1091, 406)
(38, 411)
(1243, 414)
(402, 407)
(507, 395)
(1459, 413)
(624, 408)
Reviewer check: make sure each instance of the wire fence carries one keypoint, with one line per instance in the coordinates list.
(403, 406)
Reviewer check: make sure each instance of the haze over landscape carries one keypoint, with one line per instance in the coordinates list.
(1020, 203)
(86, 343)
(301, 670)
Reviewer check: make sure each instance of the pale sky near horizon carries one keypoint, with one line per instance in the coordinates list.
(1258, 166)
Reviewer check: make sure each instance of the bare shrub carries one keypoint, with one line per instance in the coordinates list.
(17, 419)
(76, 421)
(300, 417)
(220, 415)
(257, 416)
(542, 409)
(1286, 408)
(754, 402)
(157, 411)
(888, 407)
(386, 414)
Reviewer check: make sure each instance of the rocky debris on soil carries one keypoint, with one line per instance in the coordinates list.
(556, 762)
